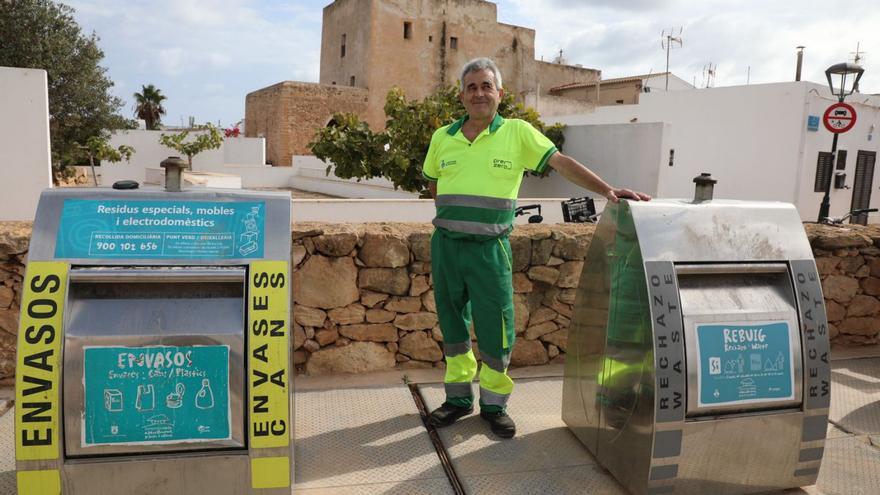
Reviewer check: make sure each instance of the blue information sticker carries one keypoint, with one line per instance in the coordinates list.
(813, 123)
(160, 229)
(155, 395)
(743, 363)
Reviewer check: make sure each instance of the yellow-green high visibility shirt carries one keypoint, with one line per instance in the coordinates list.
(478, 182)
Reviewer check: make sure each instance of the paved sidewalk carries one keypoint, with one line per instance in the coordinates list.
(364, 435)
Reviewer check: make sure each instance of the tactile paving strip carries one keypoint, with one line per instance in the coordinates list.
(543, 453)
(568, 480)
(371, 437)
(850, 467)
(7, 452)
(419, 487)
(855, 395)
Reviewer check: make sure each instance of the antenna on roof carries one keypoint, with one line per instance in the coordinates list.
(559, 60)
(858, 55)
(667, 39)
(709, 75)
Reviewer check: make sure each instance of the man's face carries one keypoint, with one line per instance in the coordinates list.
(481, 95)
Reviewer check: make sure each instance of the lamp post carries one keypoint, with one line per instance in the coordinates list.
(842, 70)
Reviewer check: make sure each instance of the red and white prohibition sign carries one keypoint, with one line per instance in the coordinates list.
(839, 118)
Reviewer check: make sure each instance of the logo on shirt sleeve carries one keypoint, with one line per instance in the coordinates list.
(444, 163)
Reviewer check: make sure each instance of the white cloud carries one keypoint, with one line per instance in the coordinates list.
(170, 60)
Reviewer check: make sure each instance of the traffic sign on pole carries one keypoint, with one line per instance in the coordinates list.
(839, 118)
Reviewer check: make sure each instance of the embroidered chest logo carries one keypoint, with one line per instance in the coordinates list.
(503, 164)
(444, 163)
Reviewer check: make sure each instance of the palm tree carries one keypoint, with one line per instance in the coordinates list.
(148, 106)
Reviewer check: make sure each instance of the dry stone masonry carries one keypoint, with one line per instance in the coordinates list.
(849, 265)
(363, 298)
(14, 240)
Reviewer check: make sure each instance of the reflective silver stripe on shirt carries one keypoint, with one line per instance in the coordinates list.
(491, 398)
(490, 229)
(477, 201)
(458, 389)
(499, 365)
(457, 349)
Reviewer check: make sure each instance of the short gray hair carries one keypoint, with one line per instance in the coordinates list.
(478, 64)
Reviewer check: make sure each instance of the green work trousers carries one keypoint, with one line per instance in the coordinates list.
(474, 278)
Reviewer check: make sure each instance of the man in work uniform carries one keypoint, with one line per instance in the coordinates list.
(475, 167)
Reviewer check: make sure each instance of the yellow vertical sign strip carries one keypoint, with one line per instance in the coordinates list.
(268, 343)
(38, 367)
(46, 482)
(270, 472)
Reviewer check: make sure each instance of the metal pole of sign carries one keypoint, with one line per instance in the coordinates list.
(841, 70)
(826, 199)
(825, 207)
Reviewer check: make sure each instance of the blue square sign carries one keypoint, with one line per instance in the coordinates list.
(813, 123)
(746, 362)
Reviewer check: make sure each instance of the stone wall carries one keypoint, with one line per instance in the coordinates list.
(849, 264)
(363, 298)
(288, 115)
(14, 240)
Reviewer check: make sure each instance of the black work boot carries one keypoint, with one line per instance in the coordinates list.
(447, 414)
(500, 422)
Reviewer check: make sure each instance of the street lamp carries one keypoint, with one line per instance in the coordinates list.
(842, 70)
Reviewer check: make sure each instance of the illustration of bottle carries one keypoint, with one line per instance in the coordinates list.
(205, 397)
(146, 398)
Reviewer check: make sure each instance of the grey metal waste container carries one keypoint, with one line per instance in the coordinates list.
(698, 350)
(154, 344)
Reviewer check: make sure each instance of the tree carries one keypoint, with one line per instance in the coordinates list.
(41, 34)
(148, 106)
(209, 140)
(98, 148)
(398, 152)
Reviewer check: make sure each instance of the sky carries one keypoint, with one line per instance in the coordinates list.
(207, 55)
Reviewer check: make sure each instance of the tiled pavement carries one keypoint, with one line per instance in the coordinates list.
(355, 439)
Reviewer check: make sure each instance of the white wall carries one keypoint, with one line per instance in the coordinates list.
(747, 137)
(25, 155)
(309, 174)
(240, 156)
(865, 135)
(244, 151)
(548, 105)
(658, 83)
(609, 151)
(752, 139)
